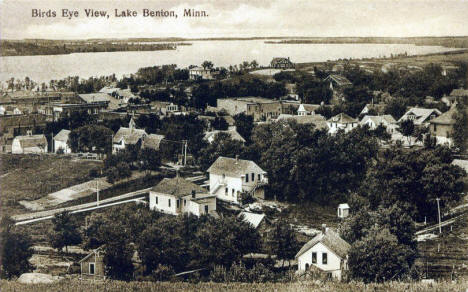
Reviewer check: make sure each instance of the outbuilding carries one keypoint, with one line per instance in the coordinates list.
(343, 210)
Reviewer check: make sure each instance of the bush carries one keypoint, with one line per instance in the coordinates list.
(218, 274)
(162, 273)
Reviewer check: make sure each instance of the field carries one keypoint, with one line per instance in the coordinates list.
(76, 285)
(30, 177)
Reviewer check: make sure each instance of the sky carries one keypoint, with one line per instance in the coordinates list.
(239, 18)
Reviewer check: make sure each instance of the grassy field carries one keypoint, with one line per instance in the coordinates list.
(76, 285)
(30, 177)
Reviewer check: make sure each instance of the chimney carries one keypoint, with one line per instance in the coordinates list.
(324, 228)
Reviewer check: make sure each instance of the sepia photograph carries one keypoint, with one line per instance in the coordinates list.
(233, 145)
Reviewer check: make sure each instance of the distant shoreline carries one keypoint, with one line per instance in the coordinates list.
(20, 49)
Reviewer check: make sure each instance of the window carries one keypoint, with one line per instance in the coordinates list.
(246, 177)
(226, 191)
(185, 202)
(206, 209)
(178, 204)
(259, 177)
(253, 176)
(324, 258)
(169, 202)
(156, 200)
(435, 128)
(91, 268)
(233, 192)
(314, 257)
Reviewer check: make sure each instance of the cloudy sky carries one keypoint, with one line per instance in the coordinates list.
(241, 18)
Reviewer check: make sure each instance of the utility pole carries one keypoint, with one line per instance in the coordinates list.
(185, 153)
(97, 192)
(438, 209)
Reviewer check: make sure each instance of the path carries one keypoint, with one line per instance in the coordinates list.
(87, 206)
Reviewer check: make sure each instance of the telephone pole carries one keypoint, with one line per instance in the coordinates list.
(185, 153)
(438, 209)
(97, 191)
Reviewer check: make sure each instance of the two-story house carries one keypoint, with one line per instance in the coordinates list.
(420, 116)
(231, 177)
(442, 127)
(177, 195)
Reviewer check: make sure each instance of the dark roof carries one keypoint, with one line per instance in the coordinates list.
(340, 80)
(234, 167)
(330, 239)
(153, 141)
(280, 60)
(177, 186)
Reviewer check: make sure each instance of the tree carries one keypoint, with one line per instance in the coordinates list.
(207, 65)
(254, 64)
(16, 250)
(118, 253)
(91, 138)
(222, 145)
(150, 159)
(220, 123)
(65, 231)
(378, 257)
(244, 125)
(396, 107)
(284, 243)
(407, 129)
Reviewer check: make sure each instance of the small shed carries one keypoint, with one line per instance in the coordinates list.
(92, 265)
(343, 210)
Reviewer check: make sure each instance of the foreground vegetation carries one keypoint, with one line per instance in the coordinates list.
(75, 285)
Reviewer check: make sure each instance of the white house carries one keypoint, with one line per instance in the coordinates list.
(230, 177)
(200, 73)
(127, 136)
(307, 109)
(327, 251)
(29, 144)
(374, 121)
(343, 210)
(420, 116)
(60, 141)
(341, 122)
(177, 195)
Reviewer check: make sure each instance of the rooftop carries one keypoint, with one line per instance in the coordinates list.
(330, 239)
(234, 167)
(62, 135)
(342, 119)
(177, 186)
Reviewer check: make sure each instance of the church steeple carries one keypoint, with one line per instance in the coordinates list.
(131, 124)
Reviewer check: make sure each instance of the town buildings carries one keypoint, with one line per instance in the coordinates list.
(230, 178)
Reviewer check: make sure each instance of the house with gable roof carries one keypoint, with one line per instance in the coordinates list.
(374, 121)
(61, 141)
(307, 109)
(210, 135)
(177, 195)
(341, 122)
(127, 136)
(281, 63)
(29, 144)
(442, 127)
(420, 116)
(327, 251)
(231, 177)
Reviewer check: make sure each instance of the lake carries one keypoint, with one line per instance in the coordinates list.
(221, 53)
